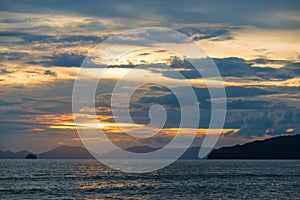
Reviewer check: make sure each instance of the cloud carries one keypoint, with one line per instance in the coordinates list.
(238, 91)
(4, 71)
(238, 67)
(241, 68)
(270, 61)
(63, 59)
(252, 105)
(293, 67)
(50, 73)
(5, 103)
(229, 68)
(12, 56)
(203, 94)
(272, 119)
(268, 14)
(142, 101)
(214, 33)
(28, 38)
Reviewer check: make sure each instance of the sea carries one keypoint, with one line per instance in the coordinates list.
(184, 179)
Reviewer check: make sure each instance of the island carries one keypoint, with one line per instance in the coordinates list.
(281, 147)
(31, 156)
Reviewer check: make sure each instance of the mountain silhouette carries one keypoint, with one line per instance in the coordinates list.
(282, 147)
(190, 153)
(12, 155)
(141, 149)
(70, 152)
(66, 152)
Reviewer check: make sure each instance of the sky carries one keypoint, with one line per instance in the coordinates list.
(255, 46)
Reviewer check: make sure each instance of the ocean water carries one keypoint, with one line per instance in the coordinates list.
(184, 179)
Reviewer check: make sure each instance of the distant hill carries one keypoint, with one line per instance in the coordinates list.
(282, 147)
(66, 152)
(12, 155)
(70, 152)
(62, 152)
(191, 153)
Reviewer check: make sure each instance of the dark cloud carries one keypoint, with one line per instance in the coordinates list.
(270, 61)
(228, 67)
(4, 71)
(180, 63)
(41, 43)
(20, 112)
(50, 73)
(26, 37)
(192, 11)
(254, 117)
(294, 67)
(238, 67)
(13, 34)
(58, 105)
(140, 104)
(62, 59)
(24, 20)
(238, 91)
(198, 33)
(272, 119)
(13, 56)
(244, 104)
(9, 127)
(140, 109)
(8, 103)
(30, 38)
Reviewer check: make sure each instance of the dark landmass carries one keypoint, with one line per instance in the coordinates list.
(66, 152)
(191, 153)
(12, 155)
(282, 147)
(141, 149)
(31, 156)
(62, 152)
(70, 152)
